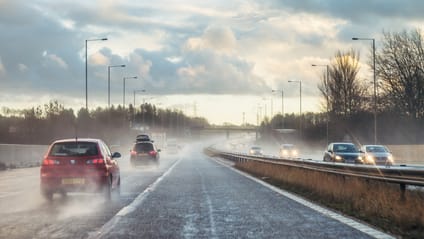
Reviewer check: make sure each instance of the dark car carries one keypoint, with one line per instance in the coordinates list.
(377, 155)
(143, 138)
(79, 165)
(144, 152)
(343, 153)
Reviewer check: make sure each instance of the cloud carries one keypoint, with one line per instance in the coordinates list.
(2, 69)
(220, 39)
(22, 67)
(55, 59)
(98, 59)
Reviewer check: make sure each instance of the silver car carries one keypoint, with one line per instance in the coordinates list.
(255, 150)
(377, 155)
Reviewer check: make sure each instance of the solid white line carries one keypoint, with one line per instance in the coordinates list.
(348, 221)
(108, 226)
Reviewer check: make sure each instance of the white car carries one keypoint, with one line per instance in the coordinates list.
(288, 151)
(377, 155)
(255, 150)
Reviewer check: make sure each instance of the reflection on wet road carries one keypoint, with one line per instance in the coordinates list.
(187, 196)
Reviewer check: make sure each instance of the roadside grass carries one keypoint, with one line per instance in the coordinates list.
(377, 203)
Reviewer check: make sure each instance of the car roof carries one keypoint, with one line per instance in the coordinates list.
(349, 143)
(373, 145)
(92, 140)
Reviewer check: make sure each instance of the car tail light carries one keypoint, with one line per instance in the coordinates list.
(95, 161)
(153, 153)
(133, 152)
(47, 161)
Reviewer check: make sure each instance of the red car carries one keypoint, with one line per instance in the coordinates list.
(79, 165)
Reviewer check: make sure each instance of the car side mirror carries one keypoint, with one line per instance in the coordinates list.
(159, 150)
(116, 155)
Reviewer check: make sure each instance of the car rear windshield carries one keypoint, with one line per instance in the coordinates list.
(74, 149)
(143, 147)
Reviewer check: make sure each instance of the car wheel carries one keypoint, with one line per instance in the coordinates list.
(107, 189)
(117, 190)
(47, 195)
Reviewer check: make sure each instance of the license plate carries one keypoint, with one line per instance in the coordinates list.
(142, 154)
(73, 181)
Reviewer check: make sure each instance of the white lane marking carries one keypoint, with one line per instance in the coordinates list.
(345, 220)
(108, 226)
(210, 206)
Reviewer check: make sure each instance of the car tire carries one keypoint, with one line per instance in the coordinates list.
(107, 190)
(47, 195)
(117, 190)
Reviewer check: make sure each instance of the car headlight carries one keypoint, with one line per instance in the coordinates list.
(338, 157)
(294, 153)
(370, 158)
(390, 158)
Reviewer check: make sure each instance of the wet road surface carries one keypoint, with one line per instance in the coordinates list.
(187, 196)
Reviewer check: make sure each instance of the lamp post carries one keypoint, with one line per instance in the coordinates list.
(123, 98)
(108, 83)
(326, 95)
(300, 104)
(86, 73)
(375, 84)
(282, 107)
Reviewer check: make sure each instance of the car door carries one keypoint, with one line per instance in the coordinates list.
(111, 163)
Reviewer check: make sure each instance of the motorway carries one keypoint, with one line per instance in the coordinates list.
(188, 196)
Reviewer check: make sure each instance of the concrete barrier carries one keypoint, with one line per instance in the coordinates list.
(21, 155)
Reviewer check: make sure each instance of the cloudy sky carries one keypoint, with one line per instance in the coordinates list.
(219, 59)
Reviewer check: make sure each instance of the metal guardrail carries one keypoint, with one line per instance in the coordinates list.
(396, 175)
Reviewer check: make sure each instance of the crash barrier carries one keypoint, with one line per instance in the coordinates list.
(21, 155)
(403, 176)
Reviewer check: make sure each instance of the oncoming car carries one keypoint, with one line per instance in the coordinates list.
(343, 152)
(79, 165)
(288, 151)
(377, 155)
(144, 152)
(255, 150)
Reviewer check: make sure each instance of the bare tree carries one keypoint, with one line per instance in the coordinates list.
(400, 68)
(344, 93)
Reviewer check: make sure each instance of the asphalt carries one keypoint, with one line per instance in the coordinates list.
(200, 198)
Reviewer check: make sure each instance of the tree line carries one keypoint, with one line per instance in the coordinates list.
(348, 100)
(43, 124)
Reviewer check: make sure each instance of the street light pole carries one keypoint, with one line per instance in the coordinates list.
(375, 84)
(123, 99)
(86, 72)
(326, 95)
(300, 104)
(282, 107)
(108, 83)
